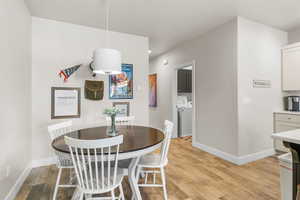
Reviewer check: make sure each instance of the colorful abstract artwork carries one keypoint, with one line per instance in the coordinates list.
(153, 90)
(121, 85)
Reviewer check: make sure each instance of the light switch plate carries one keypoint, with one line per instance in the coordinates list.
(261, 83)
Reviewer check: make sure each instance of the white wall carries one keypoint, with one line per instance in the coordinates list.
(259, 57)
(216, 98)
(233, 120)
(294, 36)
(15, 118)
(57, 45)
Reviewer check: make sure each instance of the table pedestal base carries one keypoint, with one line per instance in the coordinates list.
(136, 194)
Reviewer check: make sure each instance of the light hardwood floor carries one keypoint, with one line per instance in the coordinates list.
(191, 174)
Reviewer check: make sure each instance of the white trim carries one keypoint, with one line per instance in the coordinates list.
(43, 162)
(216, 152)
(194, 101)
(256, 156)
(294, 45)
(174, 97)
(238, 160)
(18, 184)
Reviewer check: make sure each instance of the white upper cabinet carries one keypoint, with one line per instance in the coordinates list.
(291, 67)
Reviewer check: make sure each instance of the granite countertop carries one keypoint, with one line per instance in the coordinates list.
(292, 136)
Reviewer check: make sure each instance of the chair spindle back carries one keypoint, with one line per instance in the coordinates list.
(168, 129)
(92, 161)
(59, 129)
(121, 121)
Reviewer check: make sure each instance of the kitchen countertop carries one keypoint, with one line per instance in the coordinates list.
(292, 136)
(287, 112)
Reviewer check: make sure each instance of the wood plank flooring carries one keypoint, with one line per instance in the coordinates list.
(192, 174)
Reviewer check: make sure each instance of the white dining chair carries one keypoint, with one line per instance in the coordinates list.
(150, 162)
(64, 161)
(122, 121)
(96, 166)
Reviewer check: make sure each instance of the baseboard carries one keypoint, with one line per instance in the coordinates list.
(43, 162)
(238, 160)
(218, 153)
(186, 135)
(17, 186)
(256, 156)
(35, 163)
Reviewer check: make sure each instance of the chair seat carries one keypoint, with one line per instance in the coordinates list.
(119, 178)
(152, 160)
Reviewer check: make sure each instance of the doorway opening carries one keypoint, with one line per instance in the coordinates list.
(184, 101)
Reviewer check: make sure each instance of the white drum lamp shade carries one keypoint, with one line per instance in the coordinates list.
(107, 61)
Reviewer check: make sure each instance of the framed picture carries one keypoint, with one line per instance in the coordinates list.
(153, 90)
(65, 102)
(121, 85)
(123, 107)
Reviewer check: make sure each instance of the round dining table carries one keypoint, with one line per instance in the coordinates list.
(137, 141)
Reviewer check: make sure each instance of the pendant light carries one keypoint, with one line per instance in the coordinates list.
(107, 60)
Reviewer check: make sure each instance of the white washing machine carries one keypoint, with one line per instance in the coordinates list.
(185, 122)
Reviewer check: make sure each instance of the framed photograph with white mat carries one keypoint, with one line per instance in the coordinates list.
(123, 107)
(65, 102)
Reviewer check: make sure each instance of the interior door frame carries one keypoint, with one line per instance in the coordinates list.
(174, 97)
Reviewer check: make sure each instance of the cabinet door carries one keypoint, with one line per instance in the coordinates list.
(281, 127)
(181, 81)
(291, 69)
(189, 81)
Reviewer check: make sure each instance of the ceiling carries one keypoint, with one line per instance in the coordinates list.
(168, 22)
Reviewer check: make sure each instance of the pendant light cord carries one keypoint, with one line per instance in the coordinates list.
(107, 23)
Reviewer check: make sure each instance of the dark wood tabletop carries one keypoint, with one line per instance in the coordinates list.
(135, 137)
